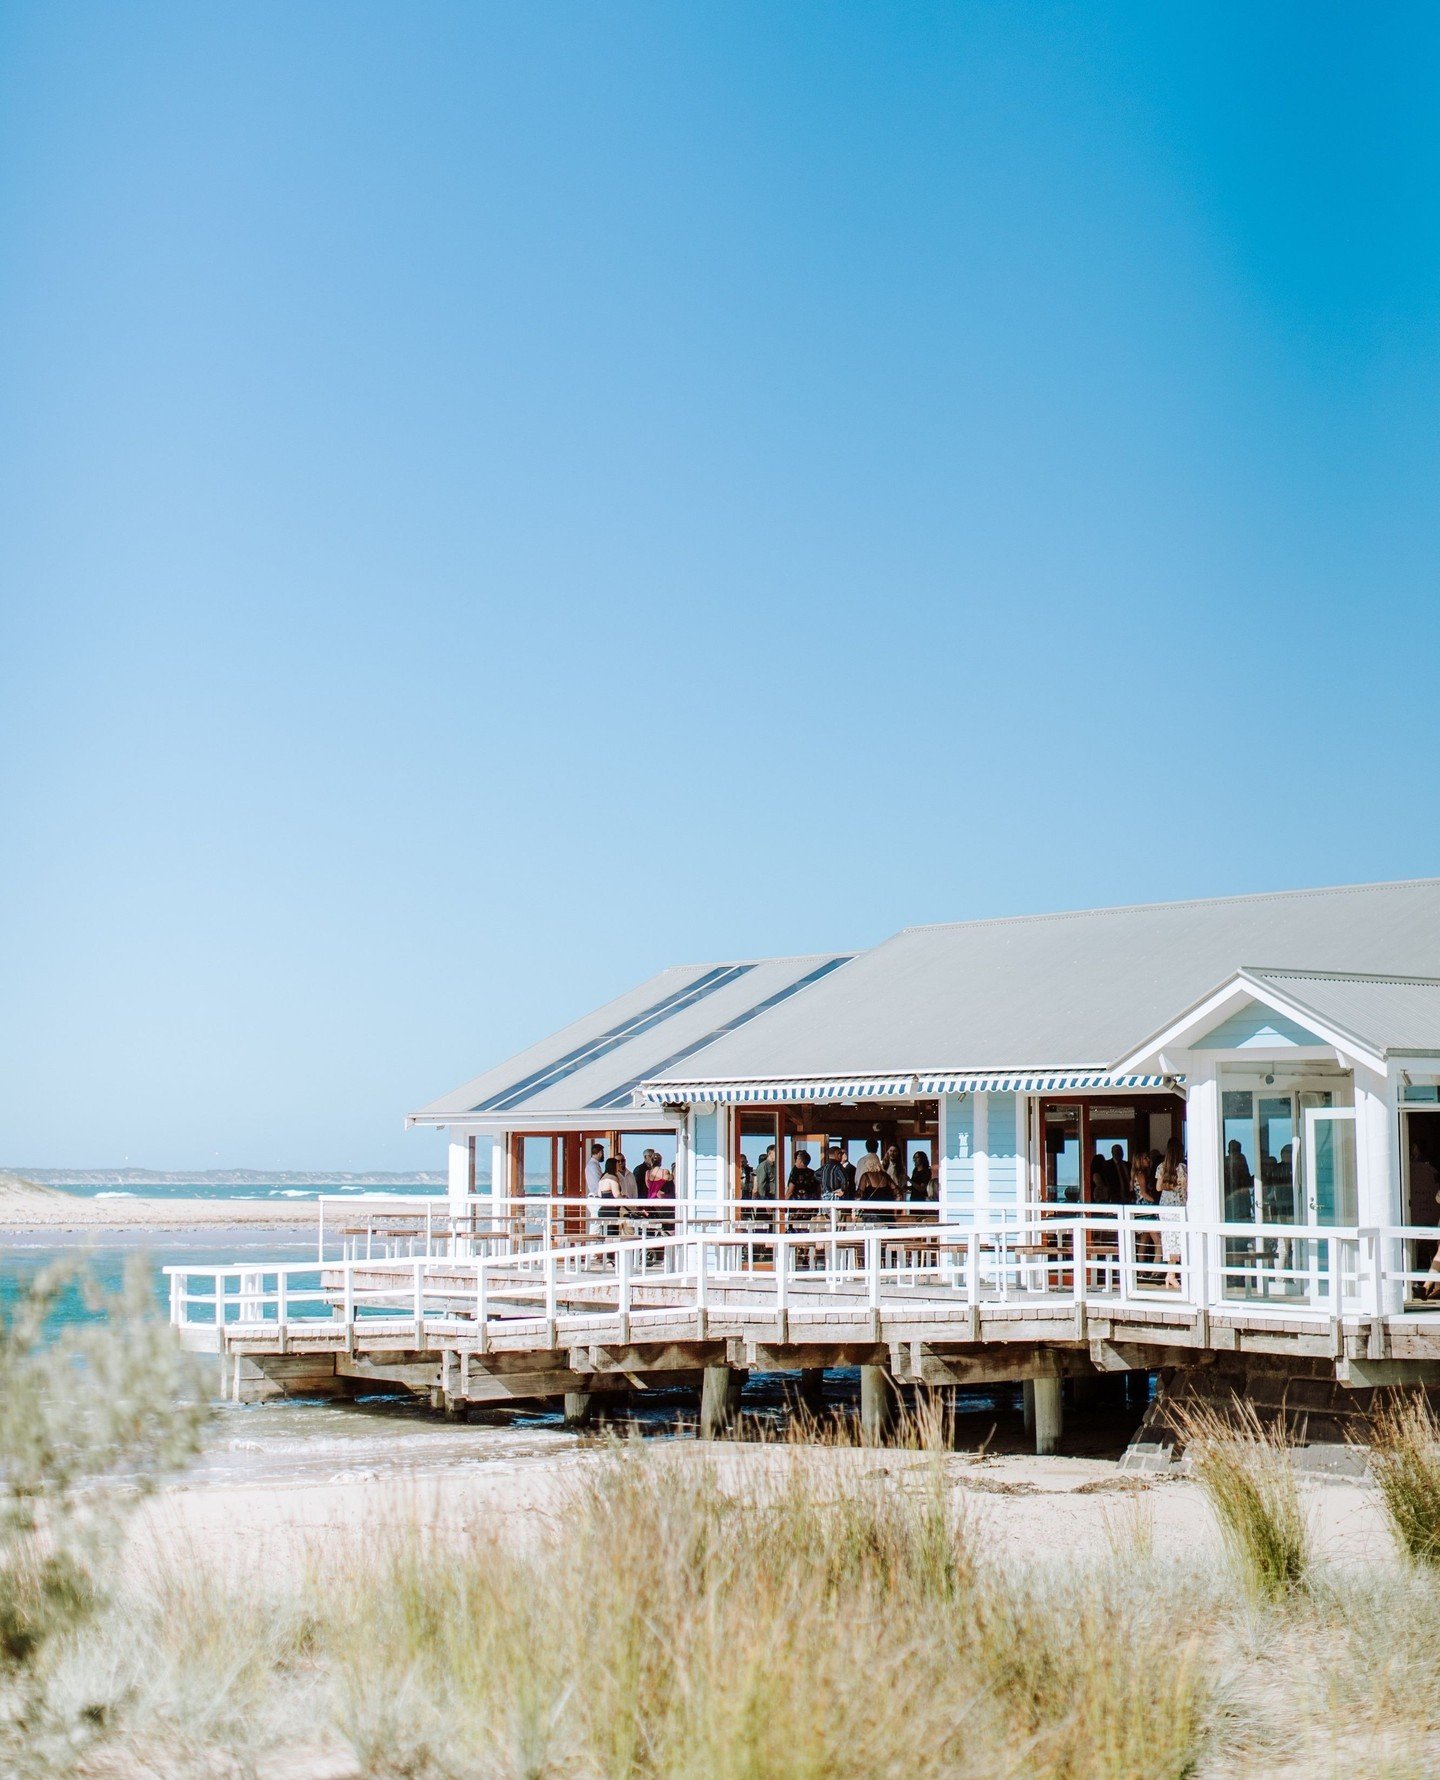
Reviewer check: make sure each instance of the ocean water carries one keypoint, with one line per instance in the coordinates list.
(105, 1254)
(173, 1187)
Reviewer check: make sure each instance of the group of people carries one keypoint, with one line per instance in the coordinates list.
(614, 1188)
(1150, 1177)
(878, 1178)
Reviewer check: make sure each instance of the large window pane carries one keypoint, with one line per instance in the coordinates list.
(1062, 1153)
(1277, 1158)
(1334, 1165)
(1238, 1159)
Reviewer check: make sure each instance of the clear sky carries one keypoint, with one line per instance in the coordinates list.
(496, 499)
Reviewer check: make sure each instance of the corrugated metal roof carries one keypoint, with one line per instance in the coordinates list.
(595, 1063)
(1068, 991)
(1386, 1013)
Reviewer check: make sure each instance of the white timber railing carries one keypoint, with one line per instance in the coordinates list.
(380, 1227)
(1104, 1259)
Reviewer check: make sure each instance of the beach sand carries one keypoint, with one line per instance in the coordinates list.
(478, 1483)
(1024, 1507)
(27, 1208)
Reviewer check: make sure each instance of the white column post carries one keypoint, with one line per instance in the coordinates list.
(684, 1183)
(461, 1171)
(1379, 1188)
(1206, 1204)
(1202, 1141)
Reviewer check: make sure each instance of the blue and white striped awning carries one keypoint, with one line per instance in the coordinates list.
(894, 1087)
(1030, 1083)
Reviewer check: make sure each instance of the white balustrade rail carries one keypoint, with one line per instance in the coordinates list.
(1106, 1259)
(380, 1227)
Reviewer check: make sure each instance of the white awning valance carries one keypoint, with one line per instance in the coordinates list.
(894, 1087)
(1029, 1082)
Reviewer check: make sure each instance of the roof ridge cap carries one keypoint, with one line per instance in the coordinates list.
(1183, 902)
(1340, 976)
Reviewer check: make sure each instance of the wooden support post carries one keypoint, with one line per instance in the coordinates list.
(812, 1389)
(1049, 1415)
(577, 1408)
(877, 1403)
(719, 1400)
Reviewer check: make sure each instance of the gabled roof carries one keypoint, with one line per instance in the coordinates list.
(1368, 1015)
(1062, 992)
(1391, 1015)
(595, 1064)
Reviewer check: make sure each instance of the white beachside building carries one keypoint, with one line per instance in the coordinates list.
(1290, 1042)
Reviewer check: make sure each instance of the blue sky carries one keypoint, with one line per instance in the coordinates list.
(498, 499)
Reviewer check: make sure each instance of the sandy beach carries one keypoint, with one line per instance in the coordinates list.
(26, 1208)
(1025, 1507)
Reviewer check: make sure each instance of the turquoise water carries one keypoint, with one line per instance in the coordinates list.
(105, 1254)
(249, 1191)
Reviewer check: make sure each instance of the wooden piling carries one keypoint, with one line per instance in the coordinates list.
(1049, 1414)
(719, 1400)
(877, 1403)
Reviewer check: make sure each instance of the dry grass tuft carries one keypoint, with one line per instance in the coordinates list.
(1245, 1470)
(1405, 1463)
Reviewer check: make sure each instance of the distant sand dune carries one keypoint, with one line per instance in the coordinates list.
(25, 1205)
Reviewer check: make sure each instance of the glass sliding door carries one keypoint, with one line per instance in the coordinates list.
(1274, 1178)
(1331, 1196)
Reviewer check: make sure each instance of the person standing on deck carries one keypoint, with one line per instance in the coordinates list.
(832, 1175)
(612, 1190)
(1173, 1183)
(642, 1171)
(594, 1173)
(767, 1181)
(1239, 1185)
(869, 1163)
(803, 1183)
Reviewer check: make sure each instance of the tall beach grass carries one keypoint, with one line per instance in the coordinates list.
(1245, 1469)
(1405, 1463)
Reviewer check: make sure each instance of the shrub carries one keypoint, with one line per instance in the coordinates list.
(87, 1421)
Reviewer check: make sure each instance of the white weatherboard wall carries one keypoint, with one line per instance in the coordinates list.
(982, 1154)
(706, 1158)
(957, 1157)
(1004, 1151)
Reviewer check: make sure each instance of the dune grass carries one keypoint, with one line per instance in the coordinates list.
(1245, 1470)
(805, 1612)
(803, 1615)
(1405, 1463)
(829, 1619)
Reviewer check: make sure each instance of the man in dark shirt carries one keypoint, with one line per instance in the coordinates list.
(833, 1184)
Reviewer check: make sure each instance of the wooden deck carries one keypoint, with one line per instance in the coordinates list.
(947, 1306)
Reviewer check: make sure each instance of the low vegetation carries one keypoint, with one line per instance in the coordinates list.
(88, 1421)
(808, 1613)
(1405, 1463)
(1244, 1468)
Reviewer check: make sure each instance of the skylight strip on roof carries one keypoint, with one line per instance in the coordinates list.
(622, 1096)
(598, 1047)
